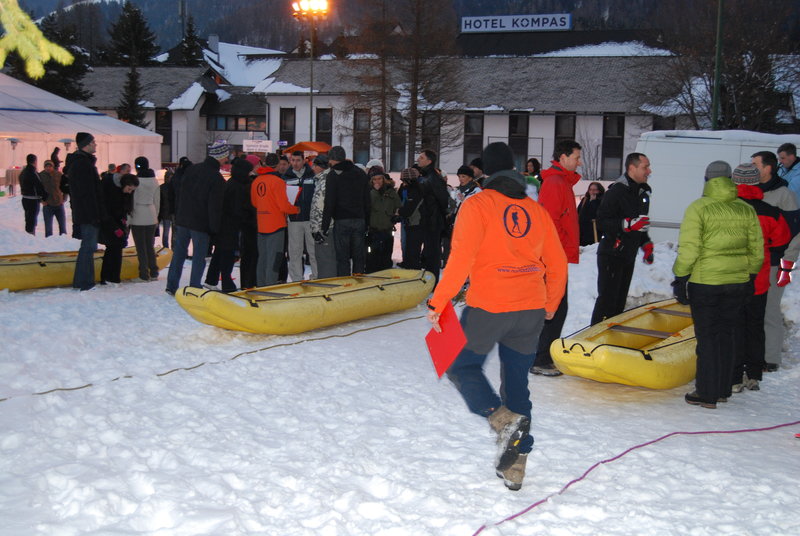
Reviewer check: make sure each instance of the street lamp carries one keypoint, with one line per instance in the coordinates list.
(310, 10)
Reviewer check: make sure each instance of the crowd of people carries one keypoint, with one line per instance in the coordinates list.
(505, 236)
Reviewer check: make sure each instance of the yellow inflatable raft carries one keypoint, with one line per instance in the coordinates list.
(649, 346)
(40, 270)
(297, 307)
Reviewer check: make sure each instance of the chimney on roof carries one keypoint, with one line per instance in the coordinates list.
(213, 43)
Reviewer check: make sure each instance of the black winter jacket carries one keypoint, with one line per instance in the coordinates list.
(200, 197)
(624, 199)
(85, 189)
(346, 195)
(435, 196)
(30, 185)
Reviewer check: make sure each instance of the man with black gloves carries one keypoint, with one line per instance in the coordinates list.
(623, 220)
(720, 252)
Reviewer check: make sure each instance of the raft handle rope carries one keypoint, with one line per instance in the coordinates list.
(624, 453)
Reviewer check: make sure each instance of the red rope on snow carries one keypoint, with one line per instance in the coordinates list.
(618, 456)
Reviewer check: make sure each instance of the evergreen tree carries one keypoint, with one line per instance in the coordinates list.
(132, 42)
(130, 107)
(63, 80)
(191, 51)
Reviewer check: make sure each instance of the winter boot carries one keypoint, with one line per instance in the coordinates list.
(512, 477)
(511, 429)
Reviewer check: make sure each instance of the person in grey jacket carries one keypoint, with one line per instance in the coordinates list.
(144, 219)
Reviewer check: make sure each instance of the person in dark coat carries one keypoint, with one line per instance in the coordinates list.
(118, 202)
(198, 215)
(347, 202)
(587, 214)
(226, 241)
(33, 193)
(433, 211)
(623, 219)
(166, 214)
(173, 193)
(87, 207)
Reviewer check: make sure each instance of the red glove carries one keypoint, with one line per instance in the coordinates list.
(647, 249)
(118, 233)
(785, 273)
(641, 223)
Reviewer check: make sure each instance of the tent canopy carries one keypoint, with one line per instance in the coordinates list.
(38, 121)
(311, 146)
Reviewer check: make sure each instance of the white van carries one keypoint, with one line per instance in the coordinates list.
(679, 158)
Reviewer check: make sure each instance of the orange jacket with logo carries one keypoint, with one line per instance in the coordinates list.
(268, 195)
(510, 250)
(557, 197)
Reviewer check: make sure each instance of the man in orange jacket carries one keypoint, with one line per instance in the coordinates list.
(507, 245)
(557, 197)
(268, 196)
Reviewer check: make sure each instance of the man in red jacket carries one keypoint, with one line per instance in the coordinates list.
(557, 197)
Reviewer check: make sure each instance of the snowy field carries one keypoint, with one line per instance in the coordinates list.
(121, 415)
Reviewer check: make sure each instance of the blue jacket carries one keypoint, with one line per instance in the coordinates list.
(307, 183)
(792, 176)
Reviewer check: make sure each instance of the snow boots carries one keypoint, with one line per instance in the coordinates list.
(512, 477)
(511, 429)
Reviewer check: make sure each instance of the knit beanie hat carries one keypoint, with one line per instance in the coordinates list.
(253, 159)
(219, 149)
(497, 156)
(718, 168)
(466, 170)
(746, 173)
(321, 160)
(82, 139)
(337, 153)
(374, 162)
(240, 168)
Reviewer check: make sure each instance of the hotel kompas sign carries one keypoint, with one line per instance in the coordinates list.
(516, 23)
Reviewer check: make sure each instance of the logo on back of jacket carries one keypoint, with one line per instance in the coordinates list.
(517, 221)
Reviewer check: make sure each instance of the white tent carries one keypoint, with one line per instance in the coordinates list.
(35, 121)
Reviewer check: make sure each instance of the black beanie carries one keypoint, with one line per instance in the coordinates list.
(496, 157)
(141, 163)
(241, 168)
(465, 170)
(82, 139)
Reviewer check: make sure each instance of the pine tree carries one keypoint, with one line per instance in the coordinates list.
(22, 35)
(191, 51)
(63, 80)
(130, 107)
(132, 42)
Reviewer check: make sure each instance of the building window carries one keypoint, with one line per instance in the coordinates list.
(397, 145)
(287, 125)
(324, 125)
(613, 146)
(164, 125)
(473, 136)
(518, 137)
(565, 126)
(231, 122)
(361, 136)
(431, 131)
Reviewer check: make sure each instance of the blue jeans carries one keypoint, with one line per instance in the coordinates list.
(84, 264)
(516, 334)
(47, 214)
(180, 250)
(166, 228)
(350, 243)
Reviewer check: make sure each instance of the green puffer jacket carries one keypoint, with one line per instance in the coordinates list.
(720, 240)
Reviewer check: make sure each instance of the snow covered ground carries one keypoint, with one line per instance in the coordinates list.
(122, 415)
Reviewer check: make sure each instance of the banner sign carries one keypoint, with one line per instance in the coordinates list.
(516, 23)
(257, 146)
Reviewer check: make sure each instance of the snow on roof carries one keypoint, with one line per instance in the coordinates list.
(630, 48)
(234, 63)
(270, 85)
(222, 95)
(188, 100)
(717, 135)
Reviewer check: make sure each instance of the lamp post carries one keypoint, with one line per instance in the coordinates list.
(310, 10)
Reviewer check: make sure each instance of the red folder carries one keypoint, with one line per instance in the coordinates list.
(444, 347)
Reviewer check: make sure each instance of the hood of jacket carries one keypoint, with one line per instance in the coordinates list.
(720, 189)
(570, 177)
(341, 167)
(749, 191)
(508, 182)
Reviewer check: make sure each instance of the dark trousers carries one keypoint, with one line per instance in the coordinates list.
(551, 331)
(613, 281)
(248, 258)
(349, 242)
(144, 238)
(31, 208)
(412, 247)
(750, 358)
(716, 312)
(515, 333)
(48, 213)
(379, 251)
(221, 267)
(112, 264)
(423, 249)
